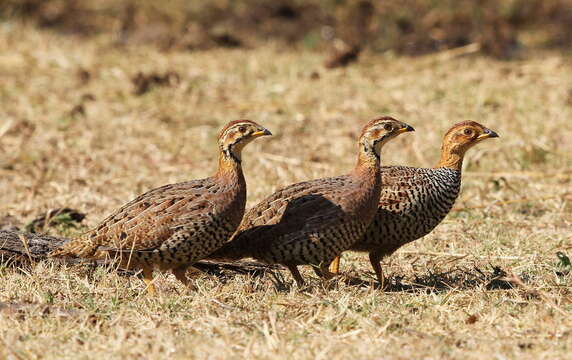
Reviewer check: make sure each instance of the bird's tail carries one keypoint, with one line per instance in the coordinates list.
(76, 248)
(228, 252)
(239, 247)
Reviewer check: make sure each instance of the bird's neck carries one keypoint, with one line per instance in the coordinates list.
(229, 167)
(232, 184)
(366, 176)
(368, 163)
(451, 158)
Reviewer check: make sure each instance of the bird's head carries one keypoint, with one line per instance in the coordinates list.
(378, 132)
(236, 134)
(461, 137)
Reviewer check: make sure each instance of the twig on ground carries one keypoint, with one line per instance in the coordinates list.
(515, 279)
(431, 253)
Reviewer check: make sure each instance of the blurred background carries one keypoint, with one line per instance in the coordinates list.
(501, 29)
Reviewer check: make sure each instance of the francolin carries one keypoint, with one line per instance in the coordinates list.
(173, 226)
(413, 200)
(312, 222)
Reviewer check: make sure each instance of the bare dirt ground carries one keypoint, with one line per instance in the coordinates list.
(87, 125)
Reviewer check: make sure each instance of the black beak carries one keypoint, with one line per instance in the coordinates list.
(407, 128)
(488, 134)
(491, 133)
(264, 132)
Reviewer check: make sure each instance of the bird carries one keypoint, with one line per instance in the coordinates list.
(175, 225)
(311, 222)
(413, 200)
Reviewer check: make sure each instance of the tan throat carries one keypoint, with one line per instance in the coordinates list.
(228, 164)
(451, 159)
(367, 162)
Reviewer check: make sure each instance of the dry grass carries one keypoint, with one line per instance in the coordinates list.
(74, 133)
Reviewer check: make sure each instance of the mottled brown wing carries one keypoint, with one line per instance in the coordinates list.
(302, 214)
(304, 221)
(291, 214)
(295, 198)
(152, 218)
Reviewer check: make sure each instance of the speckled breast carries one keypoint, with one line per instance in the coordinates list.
(411, 205)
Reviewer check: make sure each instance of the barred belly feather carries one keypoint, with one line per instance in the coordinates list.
(413, 202)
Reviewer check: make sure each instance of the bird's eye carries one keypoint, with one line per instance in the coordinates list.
(388, 127)
(468, 132)
(242, 129)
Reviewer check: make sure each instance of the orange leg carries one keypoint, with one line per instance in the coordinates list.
(148, 279)
(375, 261)
(335, 265)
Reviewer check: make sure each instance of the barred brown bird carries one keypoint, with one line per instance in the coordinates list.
(413, 200)
(314, 221)
(173, 226)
